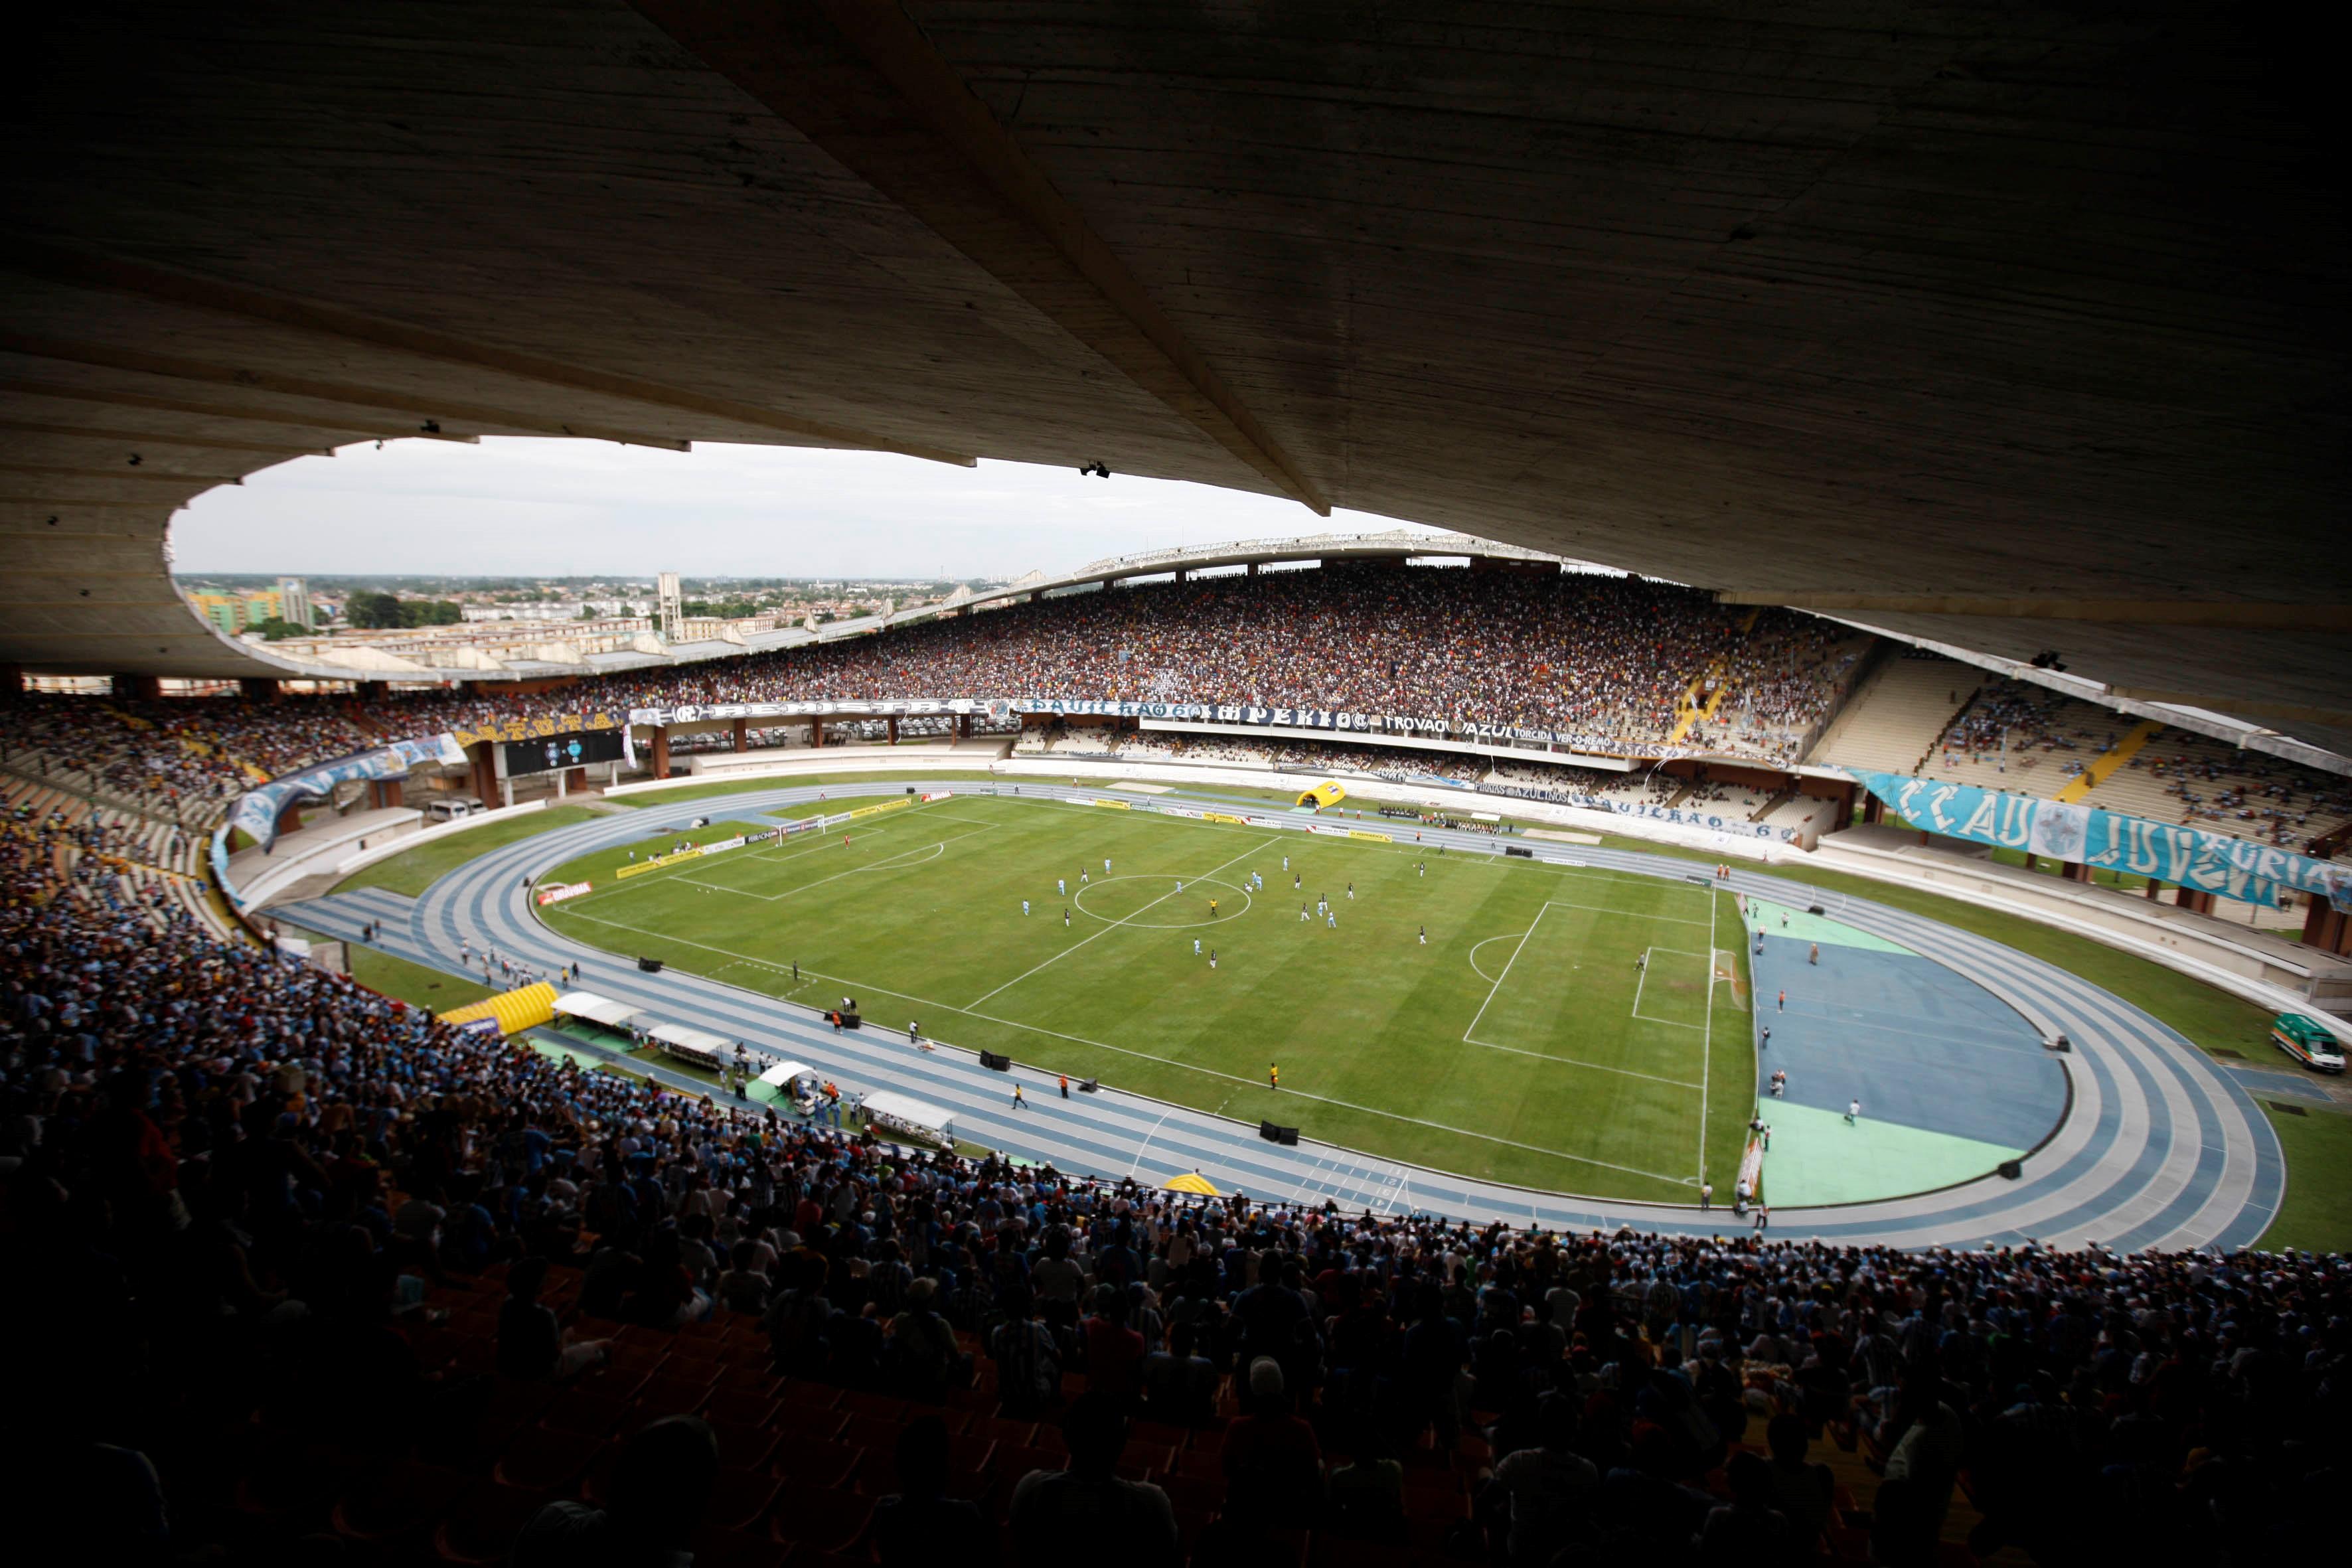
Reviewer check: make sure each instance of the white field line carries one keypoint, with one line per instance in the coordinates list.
(1111, 926)
(1668, 1023)
(1165, 1061)
(882, 865)
(1579, 1062)
(1497, 987)
(1707, 1033)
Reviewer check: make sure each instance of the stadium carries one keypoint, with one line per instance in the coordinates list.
(1766, 982)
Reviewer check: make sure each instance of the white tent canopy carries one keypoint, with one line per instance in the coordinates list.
(783, 1074)
(910, 1113)
(595, 1009)
(694, 1044)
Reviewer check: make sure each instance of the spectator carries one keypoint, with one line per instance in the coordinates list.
(919, 1526)
(659, 1487)
(1085, 1514)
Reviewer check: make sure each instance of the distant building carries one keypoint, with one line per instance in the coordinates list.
(235, 613)
(294, 602)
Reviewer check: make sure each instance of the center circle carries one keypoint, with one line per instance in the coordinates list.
(1174, 901)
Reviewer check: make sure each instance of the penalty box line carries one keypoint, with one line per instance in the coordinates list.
(881, 865)
(1166, 1061)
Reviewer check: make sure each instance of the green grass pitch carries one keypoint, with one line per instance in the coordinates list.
(1565, 1029)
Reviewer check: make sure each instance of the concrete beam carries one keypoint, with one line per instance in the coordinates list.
(863, 83)
(431, 410)
(2237, 614)
(126, 398)
(109, 273)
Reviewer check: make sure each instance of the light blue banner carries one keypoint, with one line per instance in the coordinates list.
(2169, 852)
(257, 809)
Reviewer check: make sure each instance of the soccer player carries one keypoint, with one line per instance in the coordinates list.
(1065, 919)
(1213, 909)
(1285, 862)
(1025, 906)
(1425, 936)
(1060, 886)
(1106, 865)
(1295, 883)
(1302, 911)
(1421, 868)
(1084, 881)
(1273, 1076)
(1212, 958)
(1351, 892)
(1196, 947)
(1331, 919)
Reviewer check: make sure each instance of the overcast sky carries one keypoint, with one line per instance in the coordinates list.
(513, 506)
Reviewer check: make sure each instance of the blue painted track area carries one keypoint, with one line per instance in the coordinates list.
(1927, 1050)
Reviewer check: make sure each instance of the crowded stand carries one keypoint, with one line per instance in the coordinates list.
(315, 1278)
(1625, 663)
(2032, 741)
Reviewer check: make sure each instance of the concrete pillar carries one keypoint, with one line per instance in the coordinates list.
(2189, 898)
(374, 691)
(1874, 809)
(2032, 861)
(816, 733)
(485, 773)
(1253, 568)
(384, 795)
(560, 780)
(661, 751)
(289, 818)
(742, 734)
(506, 791)
(2154, 888)
(1182, 575)
(963, 725)
(579, 780)
(2076, 871)
(892, 719)
(138, 688)
(258, 689)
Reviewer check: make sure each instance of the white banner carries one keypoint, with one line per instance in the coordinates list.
(560, 891)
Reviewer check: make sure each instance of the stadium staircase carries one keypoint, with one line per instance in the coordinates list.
(803, 1463)
(156, 860)
(1895, 719)
(2103, 766)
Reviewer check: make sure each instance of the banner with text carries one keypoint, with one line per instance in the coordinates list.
(2169, 852)
(258, 809)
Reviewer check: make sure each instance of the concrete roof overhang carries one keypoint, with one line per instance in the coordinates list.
(2013, 329)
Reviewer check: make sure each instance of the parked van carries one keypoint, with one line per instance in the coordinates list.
(450, 807)
(2308, 1041)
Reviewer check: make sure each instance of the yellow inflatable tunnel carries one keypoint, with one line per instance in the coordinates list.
(514, 1010)
(1323, 794)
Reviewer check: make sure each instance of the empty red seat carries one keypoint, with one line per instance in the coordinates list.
(819, 1520)
(743, 1406)
(739, 1498)
(546, 1459)
(480, 1525)
(813, 1461)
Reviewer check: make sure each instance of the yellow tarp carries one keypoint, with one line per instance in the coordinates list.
(1328, 793)
(1194, 1183)
(515, 1010)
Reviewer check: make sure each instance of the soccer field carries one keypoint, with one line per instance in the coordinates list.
(1563, 1028)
